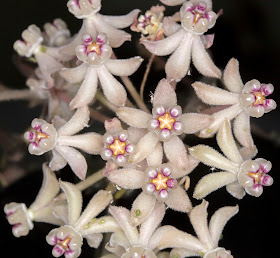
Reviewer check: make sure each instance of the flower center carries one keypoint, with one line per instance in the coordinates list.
(160, 182)
(64, 243)
(259, 98)
(148, 23)
(256, 176)
(94, 47)
(166, 121)
(40, 135)
(197, 16)
(118, 147)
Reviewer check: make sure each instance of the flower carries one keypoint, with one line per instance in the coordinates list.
(186, 42)
(95, 23)
(135, 241)
(150, 23)
(206, 243)
(56, 33)
(98, 65)
(117, 143)
(164, 125)
(60, 138)
(239, 174)
(68, 239)
(239, 103)
(32, 45)
(41, 210)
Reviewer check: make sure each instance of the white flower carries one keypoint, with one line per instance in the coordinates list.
(41, 210)
(208, 235)
(60, 138)
(97, 65)
(68, 239)
(186, 42)
(239, 103)
(238, 173)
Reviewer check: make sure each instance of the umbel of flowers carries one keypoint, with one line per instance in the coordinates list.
(142, 145)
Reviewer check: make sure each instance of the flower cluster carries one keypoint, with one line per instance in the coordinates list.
(144, 147)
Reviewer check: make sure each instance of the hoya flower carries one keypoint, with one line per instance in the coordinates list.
(61, 138)
(41, 210)
(95, 23)
(117, 143)
(31, 45)
(56, 33)
(133, 241)
(239, 102)
(165, 124)
(239, 175)
(97, 65)
(208, 235)
(186, 43)
(68, 239)
(150, 23)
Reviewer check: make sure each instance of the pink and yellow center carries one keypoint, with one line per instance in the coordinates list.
(166, 121)
(160, 182)
(256, 176)
(197, 16)
(64, 243)
(39, 135)
(259, 98)
(118, 147)
(94, 47)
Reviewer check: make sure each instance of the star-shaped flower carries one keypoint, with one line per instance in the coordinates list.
(97, 65)
(239, 103)
(186, 42)
(95, 23)
(41, 210)
(208, 235)
(60, 138)
(165, 124)
(239, 173)
(68, 239)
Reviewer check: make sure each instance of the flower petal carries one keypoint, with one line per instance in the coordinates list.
(134, 117)
(123, 67)
(48, 190)
(178, 63)
(242, 130)
(116, 37)
(183, 252)
(120, 21)
(212, 95)
(57, 162)
(219, 220)
(91, 143)
(94, 240)
(219, 117)
(175, 152)
(127, 178)
(75, 160)
(178, 200)
(148, 226)
(227, 143)
(165, 46)
(236, 190)
(144, 147)
(212, 182)
(172, 2)
(170, 26)
(232, 77)
(193, 122)
(87, 90)
(164, 95)
(112, 88)
(155, 158)
(142, 207)
(122, 215)
(74, 75)
(202, 61)
(74, 201)
(78, 122)
(97, 204)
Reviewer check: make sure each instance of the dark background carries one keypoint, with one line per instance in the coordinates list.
(248, 31)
